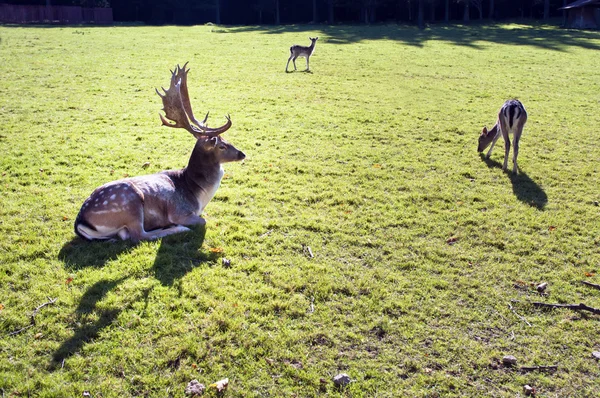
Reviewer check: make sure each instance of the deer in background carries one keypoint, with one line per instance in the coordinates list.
(511, 119)
(157, 205)
(301, 51)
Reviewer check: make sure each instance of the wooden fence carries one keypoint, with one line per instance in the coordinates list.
(20, 14)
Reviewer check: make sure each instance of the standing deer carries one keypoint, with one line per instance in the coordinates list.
(511, 119)
(157, 205)
(301, 51)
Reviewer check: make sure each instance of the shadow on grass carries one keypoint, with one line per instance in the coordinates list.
(524, 188)
(526, 33)
(79, 253)
(87, 332)
(177, 255)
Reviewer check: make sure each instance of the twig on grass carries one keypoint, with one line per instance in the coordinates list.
(518, 316)
(595, 286)
(548, 368)
(32, 318)
(576, 307)
(39, 307)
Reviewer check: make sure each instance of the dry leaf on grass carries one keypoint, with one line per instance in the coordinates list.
(221, 384)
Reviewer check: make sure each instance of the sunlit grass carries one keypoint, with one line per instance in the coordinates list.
(370, 161)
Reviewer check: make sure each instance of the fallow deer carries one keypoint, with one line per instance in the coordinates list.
(157, 205)
(511, 119)
(301, 51)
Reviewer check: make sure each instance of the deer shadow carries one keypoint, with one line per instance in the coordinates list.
(79, 253)
(177, 255)
(525, 189)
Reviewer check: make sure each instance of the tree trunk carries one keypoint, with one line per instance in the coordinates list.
(218, 12)
(447, 11)
(410, 16)
(480, 9)
(277, 20)
(330, 19)
(491, 16)
(546, 9)
(315, 14)
(466, 11)
(420, 16)
(432, 10)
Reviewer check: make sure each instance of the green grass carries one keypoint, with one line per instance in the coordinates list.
(370, 160)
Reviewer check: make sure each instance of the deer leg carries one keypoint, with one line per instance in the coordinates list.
(307, 67)
(516, 152)
(294, 61)
(288, 63)
(504, 130)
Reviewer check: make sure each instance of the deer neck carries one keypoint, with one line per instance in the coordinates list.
(203, 176)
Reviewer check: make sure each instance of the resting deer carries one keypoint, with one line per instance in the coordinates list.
(157, 205)
(301, 51)
(511, 119)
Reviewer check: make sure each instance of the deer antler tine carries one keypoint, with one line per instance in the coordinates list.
(205, 118)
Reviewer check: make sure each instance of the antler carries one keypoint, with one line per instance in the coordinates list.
(176, 102)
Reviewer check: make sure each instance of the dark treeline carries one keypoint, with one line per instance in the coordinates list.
(250, 12)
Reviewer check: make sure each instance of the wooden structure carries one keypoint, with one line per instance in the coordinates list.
(582, 14)
(23, 14)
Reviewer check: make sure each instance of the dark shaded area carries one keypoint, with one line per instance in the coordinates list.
(462, 35)
(524, 188)
(247, 12)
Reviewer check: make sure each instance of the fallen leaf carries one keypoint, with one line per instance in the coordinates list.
(221, 384)
(42, 170)
(216, 250)
(125, 175)
(69, 280)
(551, 228)
(65, 218)
(38, 336)
(589, 274)
(452, 240)
(377, 165)
(146, 165)
(1, 306)
(112, 172)
(269, 361)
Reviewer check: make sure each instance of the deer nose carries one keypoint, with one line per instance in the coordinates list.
(241, 155)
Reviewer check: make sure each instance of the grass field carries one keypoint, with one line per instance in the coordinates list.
(366, 234)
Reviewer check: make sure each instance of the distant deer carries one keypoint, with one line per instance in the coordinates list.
(301, 51)
(157, 205)
(511, 119)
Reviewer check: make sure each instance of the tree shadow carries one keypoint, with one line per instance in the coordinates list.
(525, 189)
(524, 33)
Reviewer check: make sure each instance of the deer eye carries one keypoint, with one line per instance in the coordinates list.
(222, 147)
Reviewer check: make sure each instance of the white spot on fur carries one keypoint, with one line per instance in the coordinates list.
(113, 196)
(105, 202)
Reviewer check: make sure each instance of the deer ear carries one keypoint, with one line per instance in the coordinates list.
(484, 131)
(210, 143)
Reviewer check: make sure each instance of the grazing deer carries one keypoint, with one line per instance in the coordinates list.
(511, 119)
(301, 51)
(157, 205)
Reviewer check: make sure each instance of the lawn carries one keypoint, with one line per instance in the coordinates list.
(365, 233)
